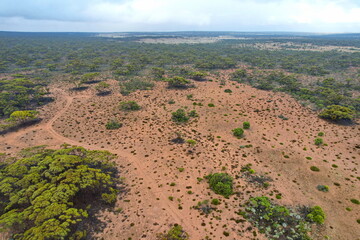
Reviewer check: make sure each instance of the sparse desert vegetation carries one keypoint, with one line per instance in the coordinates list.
(239, 137)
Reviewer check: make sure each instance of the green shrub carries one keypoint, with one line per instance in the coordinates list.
(113, 124)
(337, 112)
(133, 85)
(318, 141)
(228, 91)
(178, 82)
(246, 125)
(175, 233)
(191, 142)
(180, 116)
(129, 106)
(323, 188)
(238, 132)
(211, 105)
(355, 201)
(215, 201)
(321, 134)
(193, 113)
(221, 183)
(45, 195)
(316, 215)
(315, 169)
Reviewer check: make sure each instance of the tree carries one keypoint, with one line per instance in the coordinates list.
(178, 82)
(198, 76)
(102, 88)
(337, 113)
(19, 117)
(158, 73)
(180, 116)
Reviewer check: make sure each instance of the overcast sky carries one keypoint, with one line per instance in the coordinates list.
(180, 15)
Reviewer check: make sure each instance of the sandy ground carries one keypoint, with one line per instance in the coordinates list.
(150, 162)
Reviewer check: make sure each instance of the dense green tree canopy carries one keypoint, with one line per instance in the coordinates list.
(46, 194)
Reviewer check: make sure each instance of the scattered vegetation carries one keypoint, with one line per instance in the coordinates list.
(113, 124)
(238, 132)
(175, 233)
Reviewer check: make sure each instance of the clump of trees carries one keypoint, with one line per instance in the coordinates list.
(49, 193)
(337, 113)
(133, 85)
(178, 82)
(181, 116)
(221, 183)
(18, 119)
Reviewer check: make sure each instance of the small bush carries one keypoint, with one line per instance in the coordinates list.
(215, 201)
(320, 134)
(221, 183)
(175, 233)
(180, 116)
(191, 142)
(135, 84)
(228, 91)
(193, 113)
(129, 106)
(315, 169)
(211, 105)
(318, 141)
(355, 201)
(246, 125)
(323, 188)
(113, 124)
(238, 132)
(316, 215)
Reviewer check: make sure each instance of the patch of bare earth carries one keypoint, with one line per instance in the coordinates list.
(150, 162)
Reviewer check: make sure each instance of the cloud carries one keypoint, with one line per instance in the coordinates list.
(158, 15)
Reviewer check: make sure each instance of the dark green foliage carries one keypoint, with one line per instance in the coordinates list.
(193, 113)
(211, 105)
(180, 116)
(246, 125)
(45, 195)
(323, 188)
(221, 183)
(355, 201)
(277, 222)
(318, 141)
(178, 82)
(238, 132)
(129, 106)
(175, 233)
(215, 201)
(227, 91)
(113, 124)
(316, 215)
(315, 169)
(337, 113)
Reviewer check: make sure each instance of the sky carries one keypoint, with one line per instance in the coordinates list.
(180, 15)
